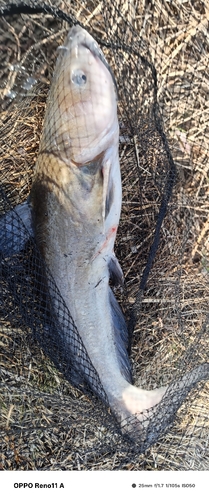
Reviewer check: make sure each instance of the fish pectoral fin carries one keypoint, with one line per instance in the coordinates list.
(116, 273)
(106, 173)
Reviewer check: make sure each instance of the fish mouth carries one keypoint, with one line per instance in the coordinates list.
(80, 37)
(97, 53)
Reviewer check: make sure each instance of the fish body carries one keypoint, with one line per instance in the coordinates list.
(76, 202)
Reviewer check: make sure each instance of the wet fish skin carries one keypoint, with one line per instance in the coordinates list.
(76, 198)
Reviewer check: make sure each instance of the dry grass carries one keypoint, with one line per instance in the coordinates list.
(46, 423)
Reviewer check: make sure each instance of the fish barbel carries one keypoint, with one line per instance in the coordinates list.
(76, 200)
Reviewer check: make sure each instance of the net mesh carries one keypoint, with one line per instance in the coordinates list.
(51, 418)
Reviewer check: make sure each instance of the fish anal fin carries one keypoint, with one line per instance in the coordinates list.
(120, 338)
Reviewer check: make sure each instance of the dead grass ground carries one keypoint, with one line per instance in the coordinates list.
(46, 423)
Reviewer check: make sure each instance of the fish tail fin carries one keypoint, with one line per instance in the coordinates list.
(121, 337)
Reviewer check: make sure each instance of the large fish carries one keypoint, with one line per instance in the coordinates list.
(76, 200)
(76, 203)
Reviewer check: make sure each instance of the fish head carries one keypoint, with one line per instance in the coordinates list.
(82, 115)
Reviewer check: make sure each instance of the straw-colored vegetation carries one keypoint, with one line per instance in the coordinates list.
(45, 422)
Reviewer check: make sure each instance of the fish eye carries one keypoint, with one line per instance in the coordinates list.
(79, 78)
